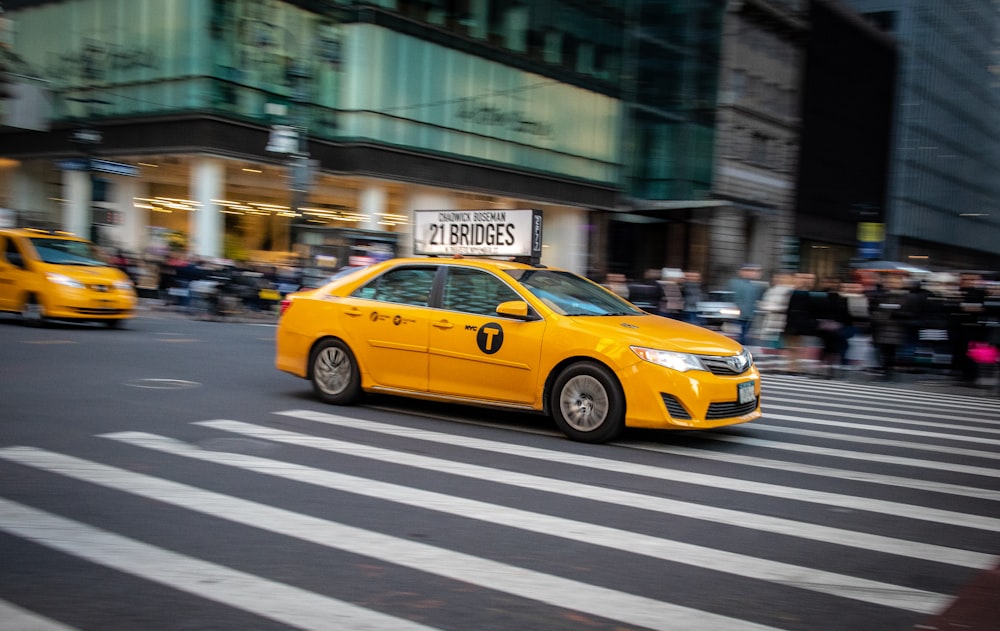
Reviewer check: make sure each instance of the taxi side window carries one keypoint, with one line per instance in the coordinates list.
(12, 254)
(408, 286)
(474, 291)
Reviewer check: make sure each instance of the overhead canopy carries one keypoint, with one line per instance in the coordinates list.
(889, 266)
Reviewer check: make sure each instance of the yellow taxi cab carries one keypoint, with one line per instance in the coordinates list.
(55, 275)
(515, 335)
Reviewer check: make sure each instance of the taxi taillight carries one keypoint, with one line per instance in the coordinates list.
(286, 302)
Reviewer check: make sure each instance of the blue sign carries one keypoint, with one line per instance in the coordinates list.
(96, 164)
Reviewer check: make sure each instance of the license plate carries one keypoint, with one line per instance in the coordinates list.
(745, 392)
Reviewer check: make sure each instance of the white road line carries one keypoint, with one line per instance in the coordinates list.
(882, 418)
(904, 399)
(654, 547)
(950, 435)
(277, 601)
(899, 413)
(986, 472)
(14, 618)
(828, 472)
(752, 521)
(896, 509)
(560, 592)
(868, 440)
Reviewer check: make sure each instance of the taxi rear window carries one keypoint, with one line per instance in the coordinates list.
(407, 285)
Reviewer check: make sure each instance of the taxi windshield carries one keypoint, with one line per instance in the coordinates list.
(66, 252)
(571, 295)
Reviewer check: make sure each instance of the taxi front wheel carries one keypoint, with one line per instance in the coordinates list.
(32, 311)
(587, 403)
(335, 375)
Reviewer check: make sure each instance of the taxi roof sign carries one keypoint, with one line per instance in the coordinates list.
(492, 232)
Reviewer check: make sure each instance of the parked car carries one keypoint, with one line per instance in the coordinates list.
(718, 310)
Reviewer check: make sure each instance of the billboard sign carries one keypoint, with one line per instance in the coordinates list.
(513, 233)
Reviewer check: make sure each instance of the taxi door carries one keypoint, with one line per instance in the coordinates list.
(12, 273)
(475, 353)
(386, 322)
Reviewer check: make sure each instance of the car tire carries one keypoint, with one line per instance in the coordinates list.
(587, 403)
(32, 311)
(334, 373)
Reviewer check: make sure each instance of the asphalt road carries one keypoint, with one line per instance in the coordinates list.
(166, 476)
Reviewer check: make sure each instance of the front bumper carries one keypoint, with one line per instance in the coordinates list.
(658, 397)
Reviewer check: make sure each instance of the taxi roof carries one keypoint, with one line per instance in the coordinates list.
(41, 232)
(469, 261)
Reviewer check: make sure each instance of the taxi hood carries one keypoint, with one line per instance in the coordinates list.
(86, 274)
(661, 333)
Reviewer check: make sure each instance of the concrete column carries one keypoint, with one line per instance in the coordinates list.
(206, 227)
(565, 239)
(76, 192)
(134, 231)
(372, 200)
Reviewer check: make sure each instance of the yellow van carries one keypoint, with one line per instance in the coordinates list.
(55, 275)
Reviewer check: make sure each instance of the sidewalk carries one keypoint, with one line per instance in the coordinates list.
(155, 307)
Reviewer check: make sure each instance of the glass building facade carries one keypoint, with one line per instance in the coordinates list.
(558, 104)
(944, 191)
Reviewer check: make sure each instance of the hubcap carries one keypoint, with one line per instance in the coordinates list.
(333, 370)
(584, 403)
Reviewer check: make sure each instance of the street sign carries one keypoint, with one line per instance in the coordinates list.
(115, 168)
(98, 165)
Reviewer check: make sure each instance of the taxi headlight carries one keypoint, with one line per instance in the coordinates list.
(65, 281)
(681, 362)
(123, 285)
(726, 311)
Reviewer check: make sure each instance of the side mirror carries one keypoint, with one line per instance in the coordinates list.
(514, 309)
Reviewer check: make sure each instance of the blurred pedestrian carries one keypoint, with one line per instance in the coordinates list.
(800, 323)
(691, 295)
(890, 322)
(773, 309)
(967, 325)
(671, 300)
(646, 293)
(616, 283)
(859, 346)
(834, 327)
(747, 290)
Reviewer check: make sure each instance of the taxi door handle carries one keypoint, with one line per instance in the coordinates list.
(444, 324)
(353, 311)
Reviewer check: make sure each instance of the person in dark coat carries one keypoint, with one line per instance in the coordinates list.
(799, 319)
(967, 324)
(890, 322)
(833, 325)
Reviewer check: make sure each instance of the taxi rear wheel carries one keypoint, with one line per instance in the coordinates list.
(335, 375)
(587, 403)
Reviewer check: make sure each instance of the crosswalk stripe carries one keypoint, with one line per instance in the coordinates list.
(951, 435)
(856, 455)
(909, 399)
(14, 618)
(870, 440)
(823, 406)
(897, 509)
(277, 601)
(830, 472)
(808, 418)
(764, 523)
(728, 562)
(529, 584)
